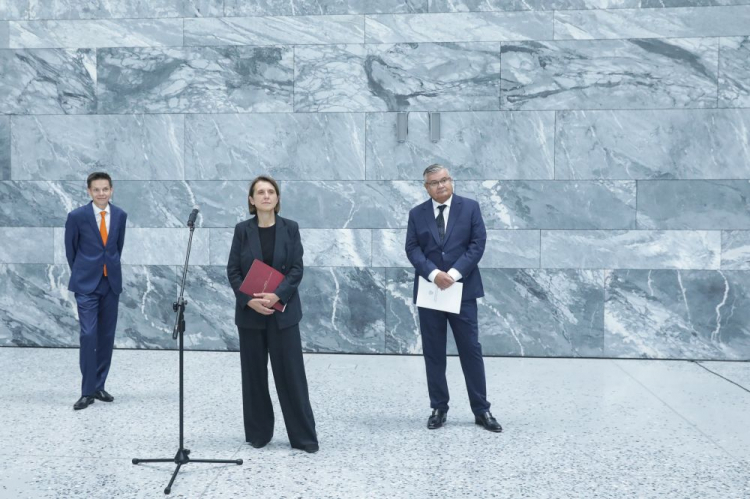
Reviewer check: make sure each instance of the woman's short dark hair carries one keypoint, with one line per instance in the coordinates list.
(263, 178)
(98, 176)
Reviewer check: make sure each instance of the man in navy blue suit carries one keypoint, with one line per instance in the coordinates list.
(94, 237)
(445, 240)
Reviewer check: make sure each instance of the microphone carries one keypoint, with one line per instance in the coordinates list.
(193, 216)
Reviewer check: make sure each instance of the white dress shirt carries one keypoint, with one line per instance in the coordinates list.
(97, 212)
(455, 274)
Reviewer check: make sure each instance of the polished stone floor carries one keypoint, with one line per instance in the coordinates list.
(573, 428)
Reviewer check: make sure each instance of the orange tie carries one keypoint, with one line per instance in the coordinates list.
(103, 232)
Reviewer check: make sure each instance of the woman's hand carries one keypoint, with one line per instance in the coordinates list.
(261, 305)
(271, 298)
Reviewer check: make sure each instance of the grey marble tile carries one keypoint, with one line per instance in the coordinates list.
(385, 77)
(98, 33)
(690, 3)
(164, 247)
(462, 27)
(133, 147)
(734, 90)
(634, 249)
(297, 30)
(652, 23)
(5, 142)
(18, 9)
(337, 247)
(473, 145)
(48, 81)
(664, 144)
(504, 249)
(735, 250)
(677, 314)
(344, 310)
(209, 315)
(108, 9)
(523, 313)
(610, 74)
(509, 5)
(4, 34)
(351, 205)
(47, 313)
(195, 79)
(26, 245)
(547, 204)
(286, 146)
(320, 7)
(693, 204)
(39, 203)
(219, 245)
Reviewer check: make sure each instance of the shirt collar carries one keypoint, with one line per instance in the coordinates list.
(97, 210)
(435, 204)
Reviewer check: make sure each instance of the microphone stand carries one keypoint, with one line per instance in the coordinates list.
(183, 455)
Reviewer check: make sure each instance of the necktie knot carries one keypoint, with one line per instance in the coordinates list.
(442, 207)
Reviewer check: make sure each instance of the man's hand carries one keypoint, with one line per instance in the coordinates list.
(260, 305)
(270, 297)
(443, 280)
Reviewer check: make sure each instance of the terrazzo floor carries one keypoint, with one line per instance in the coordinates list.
(573, 428)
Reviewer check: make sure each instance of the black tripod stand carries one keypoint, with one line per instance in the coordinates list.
(183, 454)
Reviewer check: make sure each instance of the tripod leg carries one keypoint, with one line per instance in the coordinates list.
(138, 461)
(174, 475)
(224, 461)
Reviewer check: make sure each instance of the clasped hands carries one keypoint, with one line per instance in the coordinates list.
(443, 280)
(263, 302)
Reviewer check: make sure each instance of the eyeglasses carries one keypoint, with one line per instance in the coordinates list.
(433, 184)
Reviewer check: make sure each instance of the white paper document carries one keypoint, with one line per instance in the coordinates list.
(429, 295)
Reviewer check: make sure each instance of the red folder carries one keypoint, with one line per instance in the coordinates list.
(262, 279)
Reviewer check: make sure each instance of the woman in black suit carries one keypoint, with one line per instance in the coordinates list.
(263, 330)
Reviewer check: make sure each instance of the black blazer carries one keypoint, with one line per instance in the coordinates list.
(287, 259)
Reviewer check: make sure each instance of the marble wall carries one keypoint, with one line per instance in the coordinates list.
(607, 141)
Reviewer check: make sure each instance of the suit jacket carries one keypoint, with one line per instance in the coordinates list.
(86, 252)
(462, 247)
(287, 259)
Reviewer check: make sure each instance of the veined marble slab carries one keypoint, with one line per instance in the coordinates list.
(48, 81)
(195, 80)
(691, 3)
(509, 5)
(549, 204)
(344, 310)
(281, 30)
(286, 146)
(472, 145)
(523, 313)
(652, 23)
(209, 316)
(735, 250)
(504, 249)
(39, 203)
(677, 314)
(5, 148)
(386, 77)
(461, 27)
(98, 33)
(634, 249)
(26, 245)
(133, 147)
(664, 144)
(320, 7)
(610, 74)
(112, 9)
(4, 34)
(734, 72)
(694, 204)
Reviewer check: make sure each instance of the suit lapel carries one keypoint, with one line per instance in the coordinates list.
(429, 215)
(114, 221)
(91, 217)
(278, 243)
(253, 237)
(453, 216)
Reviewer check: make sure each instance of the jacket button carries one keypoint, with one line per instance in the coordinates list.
(283, 266)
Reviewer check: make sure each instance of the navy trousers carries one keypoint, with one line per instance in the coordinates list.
(97, 314)
(433, 325)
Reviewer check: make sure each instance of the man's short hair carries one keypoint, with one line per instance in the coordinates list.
(98, 176)
(432, 169)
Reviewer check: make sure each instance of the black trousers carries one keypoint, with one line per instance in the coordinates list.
(285, 349)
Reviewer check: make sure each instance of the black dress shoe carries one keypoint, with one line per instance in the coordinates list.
(83, 402)
(489, 422)
(103, 396)
(436, 419)
(258, 445)
(309, 448)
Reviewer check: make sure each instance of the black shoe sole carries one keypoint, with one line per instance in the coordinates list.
(488, 429)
